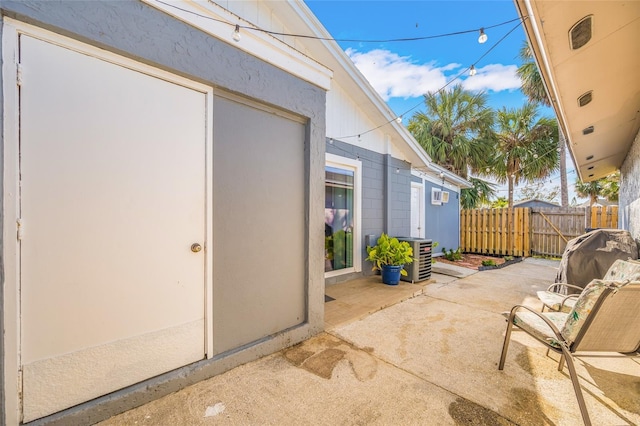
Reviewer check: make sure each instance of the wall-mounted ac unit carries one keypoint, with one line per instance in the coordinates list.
(420, 269)
(439, 197)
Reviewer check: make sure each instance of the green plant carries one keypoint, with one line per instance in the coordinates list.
(433, 246)
(390, 251)
(452, 254)
(488, 263)
(508, 258)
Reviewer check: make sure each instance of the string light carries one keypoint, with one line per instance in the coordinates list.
(353, 40)
(460, 74)
(483, 37)
(472, 70)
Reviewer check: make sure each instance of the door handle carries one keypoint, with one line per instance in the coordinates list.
(195, 247)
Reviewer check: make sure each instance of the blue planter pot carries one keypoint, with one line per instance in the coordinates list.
(391, 274)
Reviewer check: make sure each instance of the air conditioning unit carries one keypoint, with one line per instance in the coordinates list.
(436, 196)
(420, 269)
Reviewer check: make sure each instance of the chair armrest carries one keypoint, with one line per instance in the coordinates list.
(571, 296)
(553, 328)
(553, 286)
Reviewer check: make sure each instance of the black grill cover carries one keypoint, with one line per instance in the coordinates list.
(589, 256)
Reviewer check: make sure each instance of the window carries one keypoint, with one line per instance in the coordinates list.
(341, 216)
(439, 197)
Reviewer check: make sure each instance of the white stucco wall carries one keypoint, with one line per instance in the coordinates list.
(630, 190)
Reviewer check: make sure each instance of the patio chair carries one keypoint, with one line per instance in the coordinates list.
(605, 318)
(557, 298)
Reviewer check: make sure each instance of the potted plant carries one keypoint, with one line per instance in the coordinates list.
(390, 255)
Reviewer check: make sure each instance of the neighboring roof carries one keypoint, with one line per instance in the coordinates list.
(607, 66)
(601, 202)
(537, 201)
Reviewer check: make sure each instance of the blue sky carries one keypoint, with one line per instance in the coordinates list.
(402, 71)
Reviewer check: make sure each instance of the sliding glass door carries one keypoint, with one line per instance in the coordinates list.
(341, 217)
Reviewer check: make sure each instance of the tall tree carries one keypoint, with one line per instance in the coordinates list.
(533, 88)
(592, 190)
(526, 146)
(611, 186)
(478, 195)
(540, 190)
(606, 187)
(455, 129)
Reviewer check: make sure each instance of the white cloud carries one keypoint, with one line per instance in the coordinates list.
(494, 77)
(395, 76)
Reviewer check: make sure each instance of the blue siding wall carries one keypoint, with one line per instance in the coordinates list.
(383, 178)
(443, 222)
(399, 194)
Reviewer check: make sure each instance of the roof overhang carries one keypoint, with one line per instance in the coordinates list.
(607, 65)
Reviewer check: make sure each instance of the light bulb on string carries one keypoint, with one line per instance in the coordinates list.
(399, 119)
(483, 36)
(472, 70)
(236, 33)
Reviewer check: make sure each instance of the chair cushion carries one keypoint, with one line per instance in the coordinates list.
(554, 300)
(623, 270)
(534, 325)
(582, 308)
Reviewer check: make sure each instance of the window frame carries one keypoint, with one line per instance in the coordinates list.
(355, 166)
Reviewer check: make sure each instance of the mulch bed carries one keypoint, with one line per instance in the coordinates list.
(472, 261)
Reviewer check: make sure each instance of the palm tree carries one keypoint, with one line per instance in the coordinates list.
(526, 147)
(607, 187)
(479, 194)
(455, 130)
(592, 190)
(533, 88)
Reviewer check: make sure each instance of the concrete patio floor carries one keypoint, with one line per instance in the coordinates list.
(412, 355)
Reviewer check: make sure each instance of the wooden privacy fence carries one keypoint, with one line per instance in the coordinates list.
(529, 231)
(552, 228)
(603, 217)
(503, 232)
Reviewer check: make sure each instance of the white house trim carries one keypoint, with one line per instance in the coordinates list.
(256, 43)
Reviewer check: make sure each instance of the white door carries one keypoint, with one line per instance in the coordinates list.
(417, 210)
(112, 165)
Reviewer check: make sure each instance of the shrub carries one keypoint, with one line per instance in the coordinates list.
(452, 255)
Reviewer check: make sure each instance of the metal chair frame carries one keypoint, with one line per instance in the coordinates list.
(567, 350)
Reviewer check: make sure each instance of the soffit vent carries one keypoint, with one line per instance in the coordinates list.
(580, 33)
(587, 130)
(585, 99)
